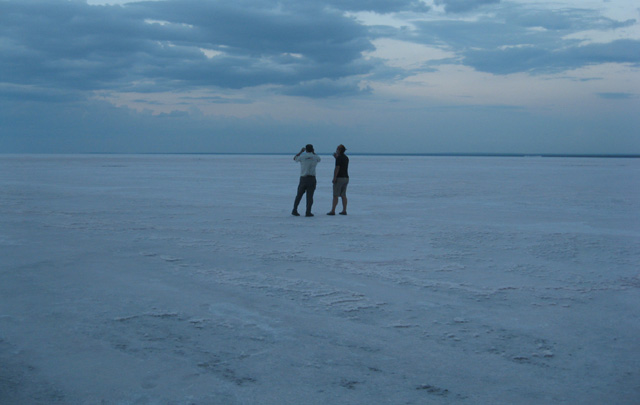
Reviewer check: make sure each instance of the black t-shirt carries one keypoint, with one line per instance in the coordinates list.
(343, 162)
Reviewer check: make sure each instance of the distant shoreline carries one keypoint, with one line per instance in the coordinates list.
(543, 155)
(524, 155)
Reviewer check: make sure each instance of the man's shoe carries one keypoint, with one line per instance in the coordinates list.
(308, 214)
(343, 213)
(331, 213)
(295, 213)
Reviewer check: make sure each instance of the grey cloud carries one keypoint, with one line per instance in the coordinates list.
(562, 20)
(460, 6)
(78, 46)
(379, 6)
(390, 74)
(215, 100)
(514, 25)
(484, 34)
(174, 114)
(508, 61)
(539, 60)
(232, 27)
(305, 46)
(327, 88)
(66, 44)
(620, 51)
(526, 40)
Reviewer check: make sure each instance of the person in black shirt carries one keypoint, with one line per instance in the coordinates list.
(340, 180)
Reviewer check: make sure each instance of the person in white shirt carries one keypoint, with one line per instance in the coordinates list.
(308, 161)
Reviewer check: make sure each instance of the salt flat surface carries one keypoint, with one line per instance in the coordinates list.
(185, 280)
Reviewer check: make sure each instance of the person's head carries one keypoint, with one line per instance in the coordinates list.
(309, 148)
(341, 149)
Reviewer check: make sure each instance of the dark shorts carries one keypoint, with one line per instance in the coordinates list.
(340, 187)
(307, 182)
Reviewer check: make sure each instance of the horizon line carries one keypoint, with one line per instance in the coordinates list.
(445, 154)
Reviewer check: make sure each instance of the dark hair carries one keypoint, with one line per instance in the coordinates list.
(309, 148)
(341, 148)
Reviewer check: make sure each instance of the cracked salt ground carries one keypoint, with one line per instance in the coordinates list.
(156, 279)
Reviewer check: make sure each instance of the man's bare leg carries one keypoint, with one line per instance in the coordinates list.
(344, 204)
(334, 204)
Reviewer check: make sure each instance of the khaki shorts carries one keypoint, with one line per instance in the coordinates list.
(340, 187)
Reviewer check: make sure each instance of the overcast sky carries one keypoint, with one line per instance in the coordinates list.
(380, 76)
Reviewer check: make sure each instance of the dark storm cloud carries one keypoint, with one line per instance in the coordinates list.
(305, 47)
(317, 33)
(73, 45)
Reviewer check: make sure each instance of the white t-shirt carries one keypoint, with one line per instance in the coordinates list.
(308, 162)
